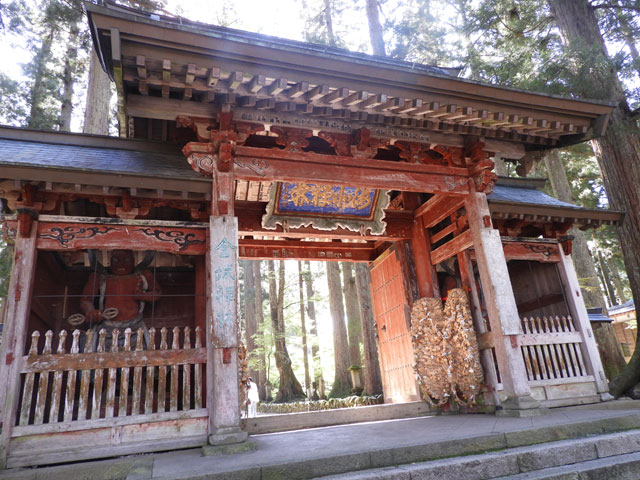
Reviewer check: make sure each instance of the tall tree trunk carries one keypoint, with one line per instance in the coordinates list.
(318, 380)
(372, 376)
(251, 317)
(38, 90)
(581, 255)
(289, 387)
(305, 352)
(375, 28)
(341, 381)
(96, 112)
(604, 271)
(261, 356)
(617, 151)
(616, 280)
(68, 78)
(328, 20)
(610, 353)
(354, 325)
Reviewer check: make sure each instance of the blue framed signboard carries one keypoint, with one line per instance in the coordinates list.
(326, 207)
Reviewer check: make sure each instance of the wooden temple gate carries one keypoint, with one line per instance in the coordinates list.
(392, 173)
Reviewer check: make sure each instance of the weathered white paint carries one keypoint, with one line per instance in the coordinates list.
(14, 333)
(578, 310)
(499, 299)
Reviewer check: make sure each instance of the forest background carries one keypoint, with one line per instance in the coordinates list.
(49, 80)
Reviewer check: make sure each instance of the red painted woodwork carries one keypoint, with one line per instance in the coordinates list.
(391, 314)
(77, 236)
(252, 163)
(295, 250)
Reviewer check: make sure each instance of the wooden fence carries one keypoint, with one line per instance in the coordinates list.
(552, 349)
(83, 384)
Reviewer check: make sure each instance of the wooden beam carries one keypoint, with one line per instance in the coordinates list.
(73, 236)
(301, 250)
(167, 108)
(437, 208)
(399, 226)
(278, 165)
(451, 248)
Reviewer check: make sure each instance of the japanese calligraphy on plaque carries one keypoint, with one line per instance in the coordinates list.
(326, 207)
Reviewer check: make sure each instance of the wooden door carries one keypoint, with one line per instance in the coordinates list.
(392, 316)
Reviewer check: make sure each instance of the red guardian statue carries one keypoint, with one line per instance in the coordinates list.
(121, 297)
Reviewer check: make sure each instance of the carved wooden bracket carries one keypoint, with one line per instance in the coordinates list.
(484, 181)
(292, 139)
(365, 146)
(26, 216)
(341, 142)
(414, 152)
(566, 242)
(128, 208)
(246, 129)
(452, 156)
(202, 126)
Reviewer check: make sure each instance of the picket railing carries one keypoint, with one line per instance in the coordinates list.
(83, 384)
(551, 348)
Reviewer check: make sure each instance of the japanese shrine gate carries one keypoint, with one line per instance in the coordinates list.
(249, 113)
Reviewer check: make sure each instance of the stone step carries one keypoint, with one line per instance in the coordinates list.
(592, 453)
(618, 467)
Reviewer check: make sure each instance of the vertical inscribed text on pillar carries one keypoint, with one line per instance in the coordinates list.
(224, 280)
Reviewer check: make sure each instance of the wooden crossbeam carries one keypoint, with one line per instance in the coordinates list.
(399, 226)
(278, 165)
(437, 208)
(257, 83)
(374, 101)
(452, 247)
(355, 98)
(336, 96)
(141, 66)
(442, 110)
(213, 76)
(316, 92)
(390, 104)
(301, 250)
(409, 106)
(265, 103)
(191, 74)
(234, 80)
(166, 70)
(277, 86)
(298, 90)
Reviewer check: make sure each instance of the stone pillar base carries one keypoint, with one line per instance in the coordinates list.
(228, 436)
(521, 406)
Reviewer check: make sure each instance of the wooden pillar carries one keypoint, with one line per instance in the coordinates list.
(15, 328)
(222, 332)
(500, 304)
(580, 316)
(426, 276)
(468, 280)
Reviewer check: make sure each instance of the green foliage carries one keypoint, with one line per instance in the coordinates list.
(5, 267)
(13, 103)
(323, 22)
(417, 34)
(13, 16)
